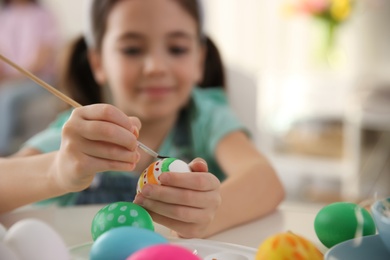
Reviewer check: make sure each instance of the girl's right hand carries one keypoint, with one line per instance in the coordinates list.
(96, 138)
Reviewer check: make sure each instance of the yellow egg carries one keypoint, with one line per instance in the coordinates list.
(288, 245)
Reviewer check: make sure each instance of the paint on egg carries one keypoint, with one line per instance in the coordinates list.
(120, 214)
(152, 173)
(288, 245)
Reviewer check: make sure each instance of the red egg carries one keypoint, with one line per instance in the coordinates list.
(164, 252)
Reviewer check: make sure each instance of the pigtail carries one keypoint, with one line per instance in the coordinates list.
(213, 74)
(76, 78)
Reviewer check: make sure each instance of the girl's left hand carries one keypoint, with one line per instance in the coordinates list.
(184, 202)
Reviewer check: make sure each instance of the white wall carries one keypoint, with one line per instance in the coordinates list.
(69, 14)
(257, 40)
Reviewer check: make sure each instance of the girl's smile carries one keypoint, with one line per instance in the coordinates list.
(156, 92)
(151, 57)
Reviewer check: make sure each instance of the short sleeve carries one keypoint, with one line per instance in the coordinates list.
(214, 119)
(49, 140)
(223, 123)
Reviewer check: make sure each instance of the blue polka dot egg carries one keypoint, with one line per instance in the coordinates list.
(120, 214)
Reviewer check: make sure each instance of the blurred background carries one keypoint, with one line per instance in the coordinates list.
(313, 85)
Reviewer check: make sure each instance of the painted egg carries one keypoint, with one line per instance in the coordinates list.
(120, 243)
(338, 222)
(155, 169)
(120, 214)
(288, 245)
(164, 252)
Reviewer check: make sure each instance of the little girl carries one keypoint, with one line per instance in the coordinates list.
(164, 73)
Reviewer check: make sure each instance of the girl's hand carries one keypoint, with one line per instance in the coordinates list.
(184, 202)
(96, 138)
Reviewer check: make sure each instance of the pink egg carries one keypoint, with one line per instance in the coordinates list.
(163, 252)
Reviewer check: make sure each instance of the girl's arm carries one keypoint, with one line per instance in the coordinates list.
(24, 180)
(96, 138)
(252, 189)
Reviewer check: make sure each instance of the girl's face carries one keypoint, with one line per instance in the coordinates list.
(150, 57)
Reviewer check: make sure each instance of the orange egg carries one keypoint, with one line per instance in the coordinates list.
(288, 245)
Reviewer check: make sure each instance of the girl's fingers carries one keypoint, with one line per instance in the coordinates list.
(103, 123)
(102, 165)
(136, 125)
(109, 151)
(80, 162)
(178, 196)
(109, 133)
(177, 212)
(108, 113)
(182, 229)
(198, 165)
(199, 181)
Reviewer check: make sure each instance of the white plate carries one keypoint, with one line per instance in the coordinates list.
(206, 249)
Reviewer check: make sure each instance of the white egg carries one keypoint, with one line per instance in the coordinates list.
(32, 239)
(7, 253)
(3, 230)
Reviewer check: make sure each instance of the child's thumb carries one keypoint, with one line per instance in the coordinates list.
(198, 165)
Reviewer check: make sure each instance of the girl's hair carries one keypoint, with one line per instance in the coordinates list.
(76, 77)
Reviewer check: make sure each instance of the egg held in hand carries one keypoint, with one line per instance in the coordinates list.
(288, 245)
(120, 214)
(338, 222)
(152, 173)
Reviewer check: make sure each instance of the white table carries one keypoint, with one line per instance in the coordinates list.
(73, 224)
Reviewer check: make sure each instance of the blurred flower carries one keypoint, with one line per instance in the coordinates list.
(334, 11)
(329, 16)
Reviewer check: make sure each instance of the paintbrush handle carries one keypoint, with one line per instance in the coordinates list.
(40, 82)
(63, 97)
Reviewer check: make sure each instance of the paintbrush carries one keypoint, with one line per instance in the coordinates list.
(65, 98)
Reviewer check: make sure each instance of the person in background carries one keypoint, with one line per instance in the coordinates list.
(29, 36)
(165, 74)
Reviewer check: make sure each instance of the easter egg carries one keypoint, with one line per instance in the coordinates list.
(164, 252)
(33, 239)
(120, 214)
(337, 222)
(152, 173)
(120, 243)
(7, 253)
(3, 230)
(287, 245)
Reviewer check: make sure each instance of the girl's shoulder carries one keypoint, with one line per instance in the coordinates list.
(210, 96)
(211, 112)
(61, 119)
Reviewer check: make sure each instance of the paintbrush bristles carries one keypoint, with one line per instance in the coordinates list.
(40, 82)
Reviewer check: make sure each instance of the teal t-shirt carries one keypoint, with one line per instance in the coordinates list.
(201, 125)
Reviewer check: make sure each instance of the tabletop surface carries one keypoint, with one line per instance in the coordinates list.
(74, 223)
